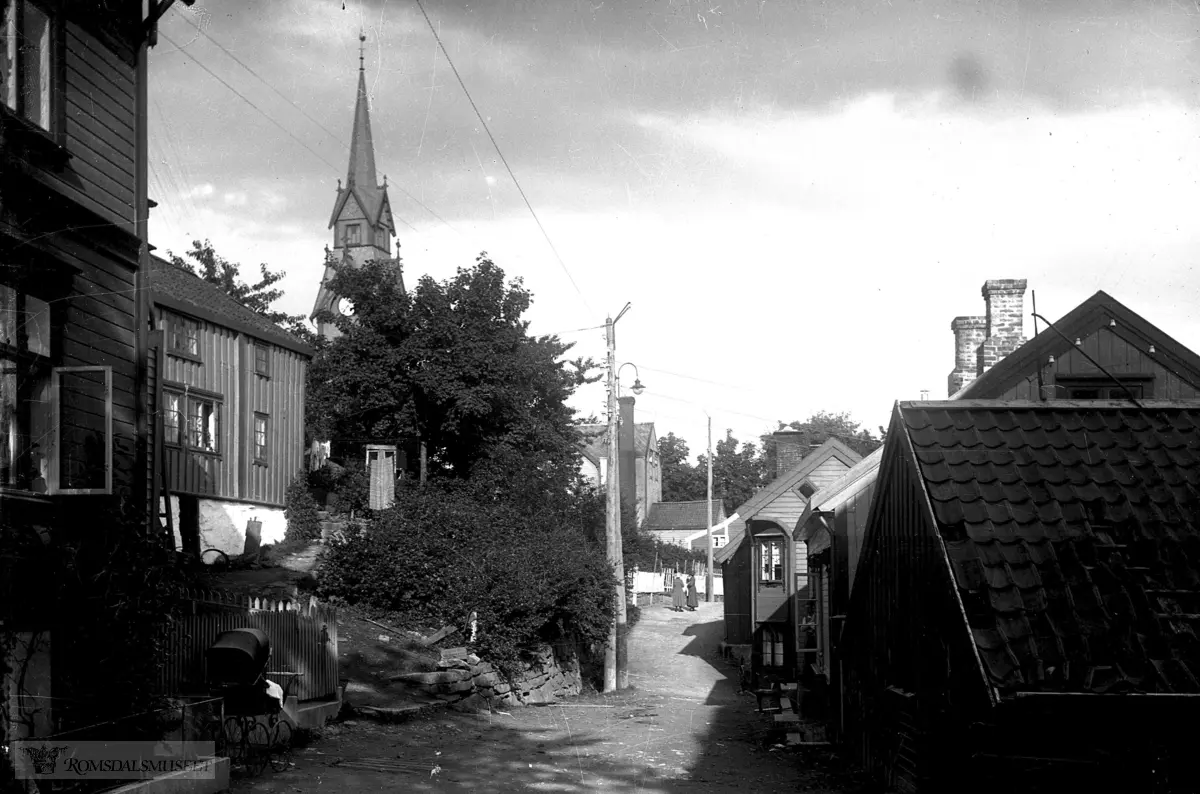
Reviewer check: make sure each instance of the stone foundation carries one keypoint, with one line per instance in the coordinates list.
(551, 675)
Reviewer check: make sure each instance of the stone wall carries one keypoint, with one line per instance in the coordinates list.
(551, 675)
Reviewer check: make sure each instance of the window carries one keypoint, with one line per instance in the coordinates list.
(354, 234)
(772, 646)
(185, 336)
(25, 383)
(260, 439)
(262, 360)
(192, 420)
(807, 489)
(82, 459)
(25, 64)
(1101, 387)
(770, 562)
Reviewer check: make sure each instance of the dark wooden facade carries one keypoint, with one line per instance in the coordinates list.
(222, 358)
(1051, 366)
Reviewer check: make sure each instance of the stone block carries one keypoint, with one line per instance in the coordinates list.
(487, 679)
(472, 702)
(440, 677)
(502, 688)
(457, 686)
(481, 667)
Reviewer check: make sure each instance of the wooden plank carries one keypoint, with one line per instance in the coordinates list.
(441, 634)
(84, 48)
(83, 126)
(454, 653)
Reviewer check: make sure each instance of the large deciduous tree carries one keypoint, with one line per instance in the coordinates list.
(452, 364)
(681, 480)
(738, 471)
(257, 296)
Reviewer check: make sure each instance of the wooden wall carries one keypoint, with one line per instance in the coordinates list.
(1114, 354)
(736, 574)
(225, 366)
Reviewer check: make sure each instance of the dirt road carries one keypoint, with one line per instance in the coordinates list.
(680, 727)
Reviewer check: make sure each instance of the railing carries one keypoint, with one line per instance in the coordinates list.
(303, 635)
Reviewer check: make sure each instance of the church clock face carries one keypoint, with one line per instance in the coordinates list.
(344, 307)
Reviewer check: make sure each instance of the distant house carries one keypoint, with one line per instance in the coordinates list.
(829, 536)
(1145, 361)
(1025, 607)
(686, 523)
(231, 401)
(761, 568)
(647, 469)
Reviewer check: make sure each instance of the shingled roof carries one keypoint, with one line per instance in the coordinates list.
(184, 292)
(683, 515)
(1073, 533)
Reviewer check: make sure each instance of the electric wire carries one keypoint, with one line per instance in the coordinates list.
(513, 176)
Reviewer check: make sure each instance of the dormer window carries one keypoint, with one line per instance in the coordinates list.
(354, 234)
(25, 64)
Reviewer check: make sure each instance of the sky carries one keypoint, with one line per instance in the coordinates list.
(795, 197)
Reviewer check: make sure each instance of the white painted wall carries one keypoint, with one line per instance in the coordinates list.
(223, 524)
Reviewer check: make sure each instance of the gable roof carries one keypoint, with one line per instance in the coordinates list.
(1072, 530)
(861, 475)
(832, 448)
(595, 438)
(1095, 312)
(181, 291)
(683, 515)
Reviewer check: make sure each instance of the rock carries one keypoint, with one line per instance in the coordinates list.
(501, 688)
(472, 702)
(442, 677)
(457, 686)
(487, 679)
(453, 664)
(473, 659)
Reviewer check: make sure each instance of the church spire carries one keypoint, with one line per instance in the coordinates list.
(362, 149)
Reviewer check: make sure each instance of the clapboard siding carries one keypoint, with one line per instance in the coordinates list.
(784, 510)
(100, 117)
(827, 472)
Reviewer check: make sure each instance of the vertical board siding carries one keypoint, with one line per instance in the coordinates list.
(304, 639)
(736, 575)
(100, 113)
(280, 397)
(196, 472)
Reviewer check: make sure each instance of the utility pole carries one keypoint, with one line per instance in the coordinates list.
(616, 674)
(708, 579)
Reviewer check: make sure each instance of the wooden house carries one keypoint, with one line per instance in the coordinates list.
(760, 566)
(646, 472)
(686, 523)
(231, 399)
(1061, 362)
(1025, 608)
(828, 539)
(75, 423)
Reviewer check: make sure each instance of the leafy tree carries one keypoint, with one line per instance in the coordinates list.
(219, 271)
(821, 426)
(737, 473)
(681, 481)
(453, 364)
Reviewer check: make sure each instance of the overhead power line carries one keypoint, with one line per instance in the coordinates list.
(513, 176)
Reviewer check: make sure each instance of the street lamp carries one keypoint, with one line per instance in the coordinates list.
(637, 387)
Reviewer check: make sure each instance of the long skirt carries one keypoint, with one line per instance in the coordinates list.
(693, 598)
(677, 596)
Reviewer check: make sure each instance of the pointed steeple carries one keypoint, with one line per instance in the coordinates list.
(362, 149)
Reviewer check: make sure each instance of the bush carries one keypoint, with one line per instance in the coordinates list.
(531, 574)
(347, 488)
(300, 509)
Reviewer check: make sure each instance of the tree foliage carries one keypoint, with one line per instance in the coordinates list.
(739, 469)
(532, 573)
(681, 480)
(822, 426)
(257, 296)
(454, 365)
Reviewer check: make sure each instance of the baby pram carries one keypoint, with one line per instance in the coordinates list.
(252, 733)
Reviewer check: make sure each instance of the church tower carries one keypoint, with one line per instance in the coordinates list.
(362, 216)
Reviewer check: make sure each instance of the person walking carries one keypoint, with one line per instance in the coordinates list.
(693, 598)
(677, 594)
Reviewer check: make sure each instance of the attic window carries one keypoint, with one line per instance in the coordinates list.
(262, 360)
(1101, 387)
(185, 336)
(807, 489)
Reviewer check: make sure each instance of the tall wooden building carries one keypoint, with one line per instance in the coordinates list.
(75, 418)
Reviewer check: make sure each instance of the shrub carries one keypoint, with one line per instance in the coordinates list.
(300, 509)
(346, 488)
(531, 574)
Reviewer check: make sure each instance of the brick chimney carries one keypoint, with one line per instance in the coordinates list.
(790, 448)
(627, 454)
(1005, 300)
(969, 333)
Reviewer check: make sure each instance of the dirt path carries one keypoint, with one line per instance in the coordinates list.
(680, 727)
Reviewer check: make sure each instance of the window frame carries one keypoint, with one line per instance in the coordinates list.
(39, 364)
(1141, 385)
(183, 438)
(357, 229)
(52, 62)
(262, 366)
(177, 329)
(261, 459)
(53, 481)
(761, 544)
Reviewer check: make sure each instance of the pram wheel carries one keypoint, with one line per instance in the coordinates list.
(258, 747)
(281, 746)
